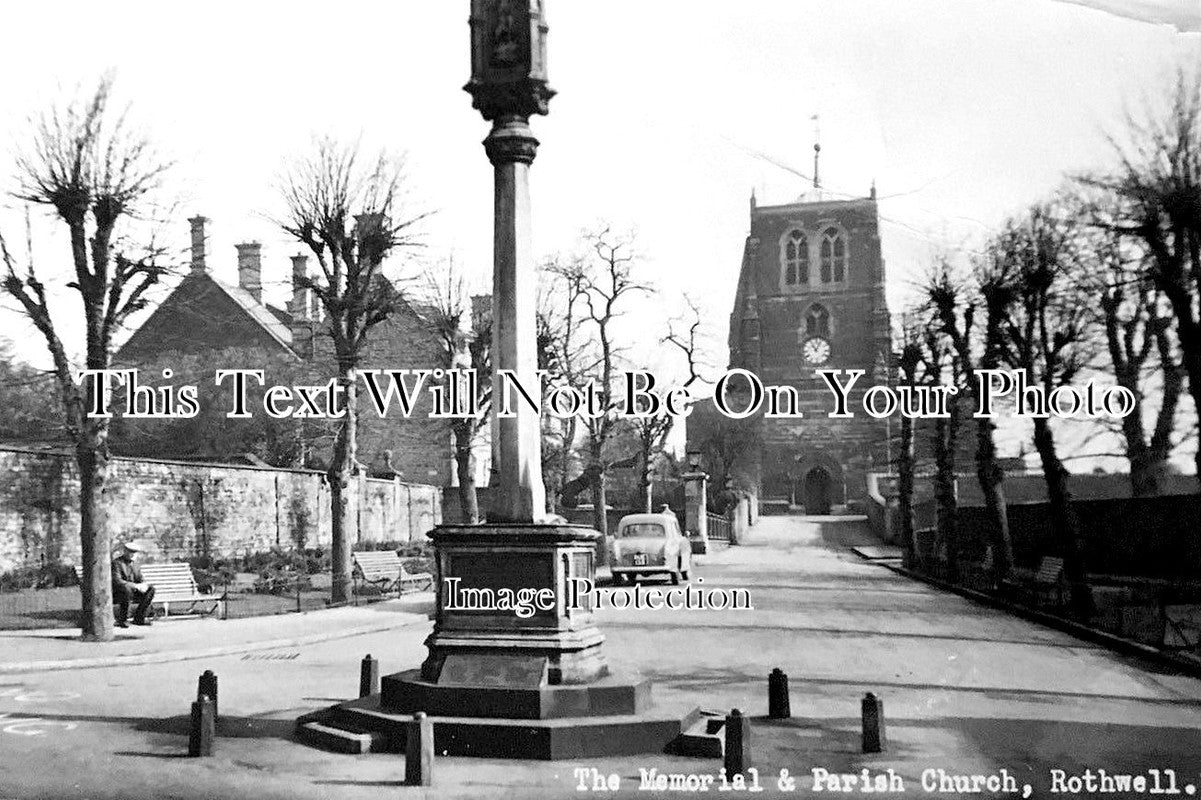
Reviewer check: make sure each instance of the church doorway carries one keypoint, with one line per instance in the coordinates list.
(817, 491)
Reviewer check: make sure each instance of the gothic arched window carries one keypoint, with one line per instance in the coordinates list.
(817, 322)
(796, 258)
(833, 256)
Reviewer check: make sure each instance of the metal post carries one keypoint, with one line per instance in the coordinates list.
(200, 739)
(207, 687)
(738, 744)
(419, 751)
(778, 704)
(368, 676)
(874, 740)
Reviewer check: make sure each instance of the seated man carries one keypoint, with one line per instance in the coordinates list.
(128, 586)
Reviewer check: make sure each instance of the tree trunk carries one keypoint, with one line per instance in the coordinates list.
(600, 516)
(342, 495)
(905, 493)
(991, 479)
(95, 540)
(944, 492)
(1188, 329)
(648, 482)
(465, 471)
(1063, 520)
(1145, 471)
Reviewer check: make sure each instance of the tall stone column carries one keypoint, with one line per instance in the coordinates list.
(515, 666)
(518, 492)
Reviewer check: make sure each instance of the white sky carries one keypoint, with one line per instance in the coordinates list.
(961, 110)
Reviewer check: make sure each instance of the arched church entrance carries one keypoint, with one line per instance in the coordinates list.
(816, 491)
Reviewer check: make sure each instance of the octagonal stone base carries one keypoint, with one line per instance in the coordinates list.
(542, 645)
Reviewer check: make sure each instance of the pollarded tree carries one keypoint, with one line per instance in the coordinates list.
(909, 362)
(971, 317)
(1048, 333)
(1159, 178)
(464, 337)
(349, 212)
(943, 368)
(95, 174)
(1140, 340)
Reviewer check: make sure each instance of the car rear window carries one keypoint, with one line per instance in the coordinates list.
(642, 530)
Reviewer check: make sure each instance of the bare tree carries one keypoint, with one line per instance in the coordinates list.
(1159, 178)
(908, 363)
(1140, 342)
(942, 363)
(606, 282)
(349, 211)
(464, 343)
(562, 353)
(683, 334)
(960, 312)
(95, 173)
(1048, 333)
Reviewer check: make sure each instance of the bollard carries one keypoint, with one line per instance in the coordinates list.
(368, 676)
(874, 740)
(738, 744)
(419, 751)
(200, 738)
(207, 687)
(778, 704)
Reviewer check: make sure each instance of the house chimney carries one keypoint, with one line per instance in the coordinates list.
(301, 308)
(250, 269)
(198, 233)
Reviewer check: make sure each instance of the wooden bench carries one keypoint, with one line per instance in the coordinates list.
(1047, 578)
(384, 570)
(174, 584)
(1182, 627)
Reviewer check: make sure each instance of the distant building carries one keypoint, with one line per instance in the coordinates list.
(204, 314)
(810, 296)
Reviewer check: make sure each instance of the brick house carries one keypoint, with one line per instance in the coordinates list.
(203, 315)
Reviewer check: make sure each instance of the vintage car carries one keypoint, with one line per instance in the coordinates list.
(649, 544)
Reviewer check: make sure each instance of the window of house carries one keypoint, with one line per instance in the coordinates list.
(833, 256)
(796, 259)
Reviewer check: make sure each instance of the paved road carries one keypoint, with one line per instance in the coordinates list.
(966, 688)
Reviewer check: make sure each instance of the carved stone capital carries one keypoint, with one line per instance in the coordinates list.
(524, 97)
(511, 141)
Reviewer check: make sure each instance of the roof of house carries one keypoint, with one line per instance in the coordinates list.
(203, 313)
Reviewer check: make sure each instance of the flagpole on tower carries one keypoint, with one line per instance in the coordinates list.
(817, 150)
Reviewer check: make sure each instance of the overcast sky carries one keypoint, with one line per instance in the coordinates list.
(669, 113)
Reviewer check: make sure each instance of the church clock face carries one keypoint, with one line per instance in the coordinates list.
(816, 350)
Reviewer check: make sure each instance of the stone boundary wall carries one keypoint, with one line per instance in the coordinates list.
(193, 509)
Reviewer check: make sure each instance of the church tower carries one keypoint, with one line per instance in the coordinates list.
(811, 296)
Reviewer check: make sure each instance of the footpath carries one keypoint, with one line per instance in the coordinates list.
(186, 638)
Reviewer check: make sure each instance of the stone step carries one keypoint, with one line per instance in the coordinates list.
(337, 739)
(612, 695)
(705, 738)
(545, 739)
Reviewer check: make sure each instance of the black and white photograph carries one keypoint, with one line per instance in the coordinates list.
(600, 399)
